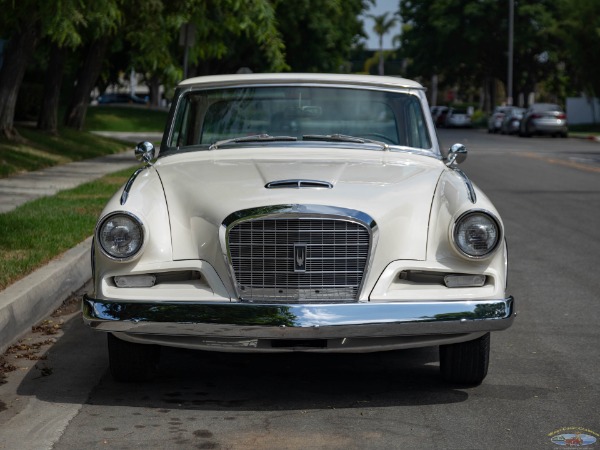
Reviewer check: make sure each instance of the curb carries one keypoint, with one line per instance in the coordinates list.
(30, 300)
(592, 137)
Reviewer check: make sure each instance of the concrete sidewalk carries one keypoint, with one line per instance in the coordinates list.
(24, 187)
(33, 298)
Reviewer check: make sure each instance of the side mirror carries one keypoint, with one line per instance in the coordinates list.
(457, 154)
(144, 152)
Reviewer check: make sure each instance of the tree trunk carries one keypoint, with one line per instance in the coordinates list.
(17, 55)
(88, 75)
(154, 85)
(48, 119)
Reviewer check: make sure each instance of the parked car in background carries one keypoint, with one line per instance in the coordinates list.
(457, 118)
(299, 213)
(512, 120)
(544, 118)
(121, 98)
(438, 114)
(496, 118)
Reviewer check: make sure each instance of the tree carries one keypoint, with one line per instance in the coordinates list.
(22, 20)
(63, 30)
(149, 44)
(236, 33)
(579, 31)
(103, 19)
(466, 41)
(382, 26)
(319, 35)
(229, 34)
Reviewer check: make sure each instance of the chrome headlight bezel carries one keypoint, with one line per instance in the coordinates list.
(494, 222)
(140, 228)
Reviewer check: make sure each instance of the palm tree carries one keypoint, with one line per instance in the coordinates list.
(382, 26)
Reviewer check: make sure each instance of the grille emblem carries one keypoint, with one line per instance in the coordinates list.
(300, 257)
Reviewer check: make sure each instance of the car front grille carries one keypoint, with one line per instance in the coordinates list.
(298, 259)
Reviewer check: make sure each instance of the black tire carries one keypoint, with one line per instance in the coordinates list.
(132, 362)
(466, 362)
(524, 130)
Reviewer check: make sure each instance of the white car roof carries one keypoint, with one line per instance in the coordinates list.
(282, 78)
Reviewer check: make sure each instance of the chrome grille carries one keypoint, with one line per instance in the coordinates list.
(262, 254)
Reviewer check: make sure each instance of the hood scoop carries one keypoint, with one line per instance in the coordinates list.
(298, 184)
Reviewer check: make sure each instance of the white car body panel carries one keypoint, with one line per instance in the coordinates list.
(412, 195)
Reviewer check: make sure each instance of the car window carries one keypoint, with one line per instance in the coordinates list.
(416, 130)
(207, 116)
(546, 107)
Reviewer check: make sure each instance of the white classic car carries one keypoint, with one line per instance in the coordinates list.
(299, 212)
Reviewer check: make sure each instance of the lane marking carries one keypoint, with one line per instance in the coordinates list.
(559, 162)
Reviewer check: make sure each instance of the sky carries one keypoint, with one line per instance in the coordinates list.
(381, 7)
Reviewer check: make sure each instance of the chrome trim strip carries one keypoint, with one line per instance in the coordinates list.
(298, 184)
(294, 211)
(127, 188)
(294, 321)
(468, 183)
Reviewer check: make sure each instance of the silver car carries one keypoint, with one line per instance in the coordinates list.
(544, 118)
(512, 120)
(497, 117)
(458, 118)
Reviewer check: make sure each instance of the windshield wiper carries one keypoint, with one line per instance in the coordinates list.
(253, 138)
(343, 138)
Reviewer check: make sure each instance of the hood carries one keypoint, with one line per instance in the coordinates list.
(203, 188)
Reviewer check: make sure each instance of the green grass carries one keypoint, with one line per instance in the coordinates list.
(39, 150)
(585, 129)
(125, 118)
(39, 231)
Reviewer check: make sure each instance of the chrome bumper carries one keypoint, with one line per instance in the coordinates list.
(299, 321)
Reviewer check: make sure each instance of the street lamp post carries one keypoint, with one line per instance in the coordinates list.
(187, 38)
(511, 30)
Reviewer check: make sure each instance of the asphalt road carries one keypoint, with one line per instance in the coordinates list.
(543, 378)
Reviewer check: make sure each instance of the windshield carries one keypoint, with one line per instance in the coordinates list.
(204, 117)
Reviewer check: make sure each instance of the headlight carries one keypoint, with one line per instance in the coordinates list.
(120, 235)
(476, 234)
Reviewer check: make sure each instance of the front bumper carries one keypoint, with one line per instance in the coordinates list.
(299, 321)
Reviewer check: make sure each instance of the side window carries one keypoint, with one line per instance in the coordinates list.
(178, 137)
(417, 134)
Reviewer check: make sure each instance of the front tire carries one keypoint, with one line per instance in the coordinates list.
(466, 362)
(132, 362)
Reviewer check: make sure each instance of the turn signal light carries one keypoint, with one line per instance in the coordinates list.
(135, 281)
(456, 281)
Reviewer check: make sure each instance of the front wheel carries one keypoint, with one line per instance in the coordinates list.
(132, 362)
(466, 362)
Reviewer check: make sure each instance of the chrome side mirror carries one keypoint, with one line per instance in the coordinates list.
(144, 152)
(457, 154)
